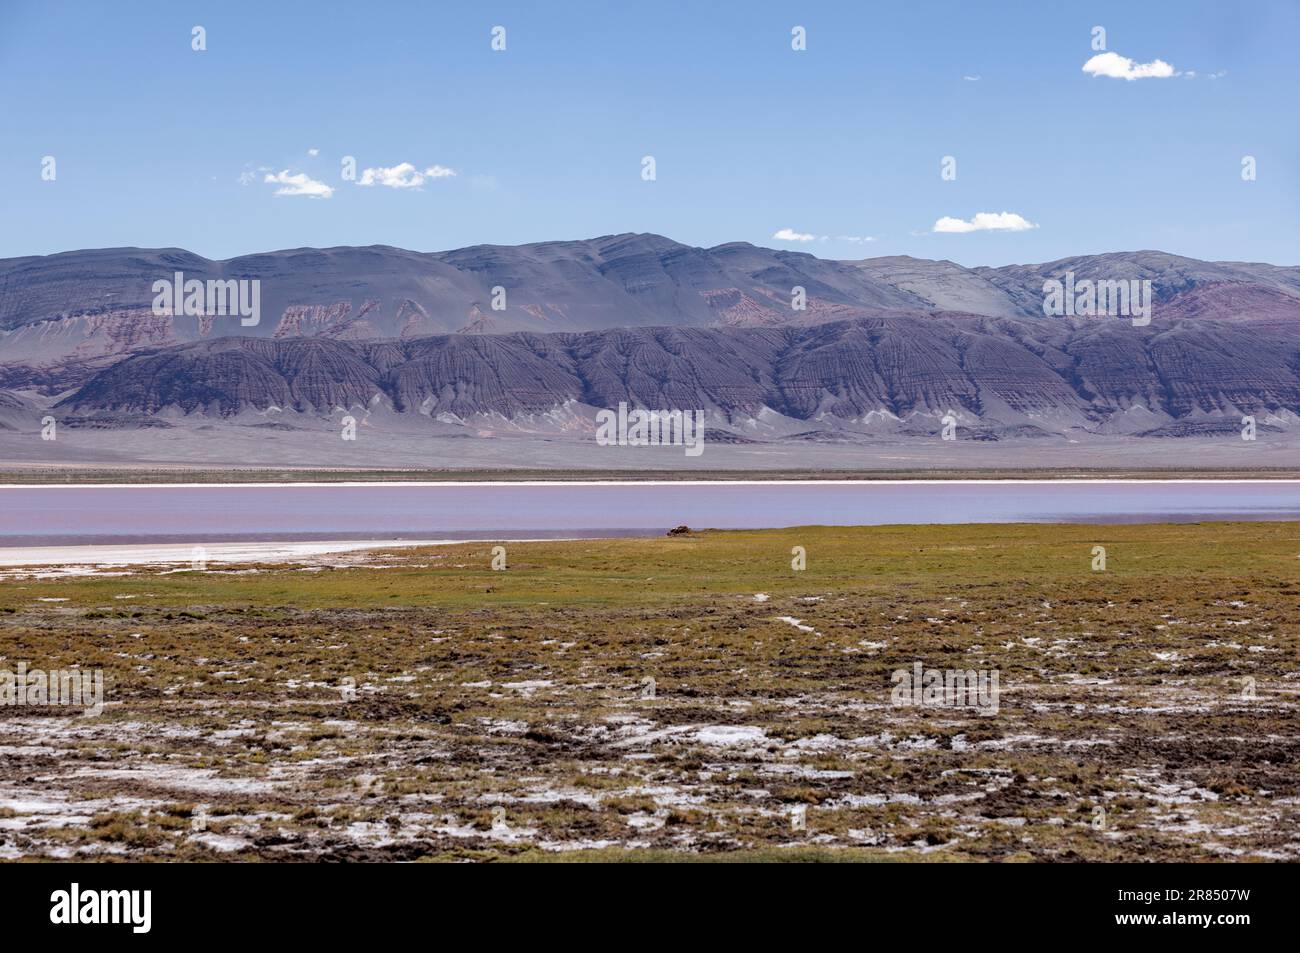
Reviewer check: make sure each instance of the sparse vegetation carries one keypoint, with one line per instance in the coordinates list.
(633, 699)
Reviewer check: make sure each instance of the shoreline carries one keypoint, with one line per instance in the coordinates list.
(308, 476)
(92, 557)
(103, 558)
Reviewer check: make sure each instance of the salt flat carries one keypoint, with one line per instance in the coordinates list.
(89, 558)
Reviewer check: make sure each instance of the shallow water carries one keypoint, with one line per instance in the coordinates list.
(61, 515)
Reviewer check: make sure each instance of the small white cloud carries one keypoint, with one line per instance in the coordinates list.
(790, 235)
(298, 183)
(985, 222)
(247, 178)
(1121, 67)
(400, 176)
(403, 175)
(313, 152)
(971, 79)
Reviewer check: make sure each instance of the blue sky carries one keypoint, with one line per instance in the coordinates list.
(749, 137)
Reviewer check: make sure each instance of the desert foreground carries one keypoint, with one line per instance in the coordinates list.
(692, 696)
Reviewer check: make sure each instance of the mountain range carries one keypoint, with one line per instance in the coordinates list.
(884, 345)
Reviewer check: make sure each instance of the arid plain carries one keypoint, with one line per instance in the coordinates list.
(691, 696)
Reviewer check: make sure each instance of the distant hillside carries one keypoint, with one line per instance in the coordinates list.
(1016, 376)
(65, 316)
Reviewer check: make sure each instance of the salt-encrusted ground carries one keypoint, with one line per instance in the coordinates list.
(688, 695)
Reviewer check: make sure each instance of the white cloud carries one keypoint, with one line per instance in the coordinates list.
(971, 79)
(984, 222)
(313, 152)
(298, 183)
(1121, 67)
(403, 175)
(790, 235)
(400, 176)
(247, 178)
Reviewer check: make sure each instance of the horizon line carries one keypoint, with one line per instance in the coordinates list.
(617, 235)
